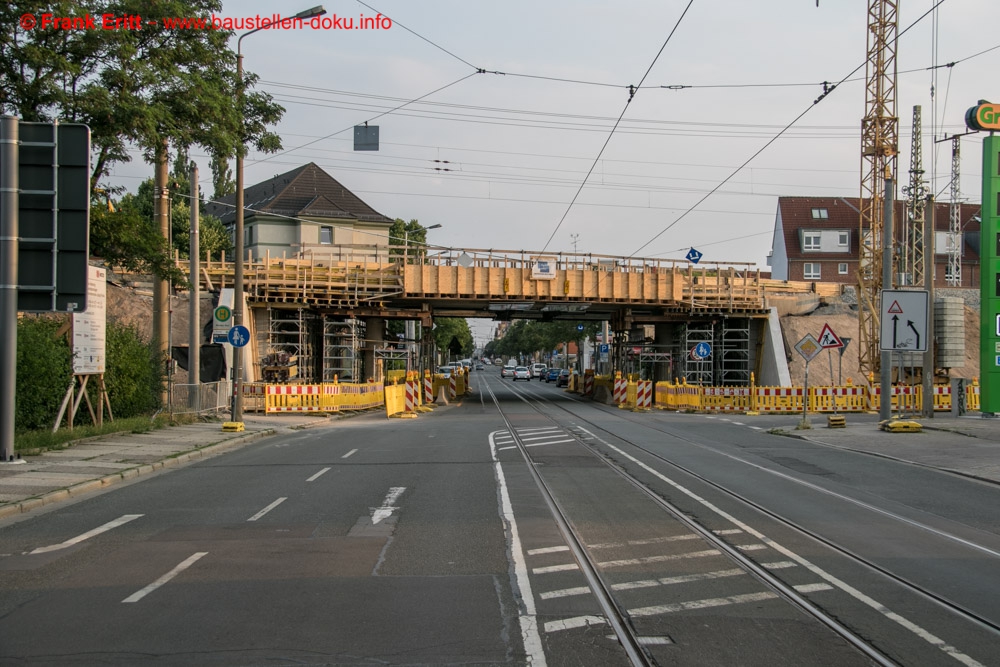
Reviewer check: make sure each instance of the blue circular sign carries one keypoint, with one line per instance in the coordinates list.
(701, 351)
(238, 336)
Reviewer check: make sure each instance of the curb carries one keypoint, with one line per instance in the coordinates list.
(205, 452)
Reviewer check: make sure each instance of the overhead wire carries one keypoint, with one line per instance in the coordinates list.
(771, 141)
(611, 134)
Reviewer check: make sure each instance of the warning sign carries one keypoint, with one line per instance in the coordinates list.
(895, 308)
(829, 340)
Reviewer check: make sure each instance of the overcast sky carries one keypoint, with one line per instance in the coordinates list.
(519, 145)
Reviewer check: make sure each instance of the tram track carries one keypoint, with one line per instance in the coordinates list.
(617, 612)
(543, 405)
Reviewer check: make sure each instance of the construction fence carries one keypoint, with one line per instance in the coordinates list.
(644, 394)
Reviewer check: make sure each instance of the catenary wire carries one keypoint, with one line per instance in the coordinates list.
(611, 134)
(771, 141)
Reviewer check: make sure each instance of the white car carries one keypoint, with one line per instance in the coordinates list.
(522, 373)
(538, 370)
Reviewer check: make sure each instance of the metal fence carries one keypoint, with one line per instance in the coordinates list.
(204, 398)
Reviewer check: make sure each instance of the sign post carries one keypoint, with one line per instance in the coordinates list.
(808, 347)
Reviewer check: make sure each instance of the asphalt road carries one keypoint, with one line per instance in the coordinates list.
(427, 541)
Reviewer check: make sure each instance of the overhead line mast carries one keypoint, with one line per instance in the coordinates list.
(879, 150)
(912, 269)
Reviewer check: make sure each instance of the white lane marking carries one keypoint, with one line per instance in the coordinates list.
(537, 444)
(267, 509)
(120, 521)
(547, 436)
(348, 453)
(547, 550)
(780, 565)
(628, 561)
(539, 429)
(739, 423)
(388, 505)
(646, 583)
(615, 545)
(655, 641)
(921, 632)
(757, 428)
(751, 547)
(812, 588)
(318, 475)
(583, 621)
(528, 620)
(728, 531)
(191, 560)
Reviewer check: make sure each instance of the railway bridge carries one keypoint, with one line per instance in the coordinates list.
(314, 317)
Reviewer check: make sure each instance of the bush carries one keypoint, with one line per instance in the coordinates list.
(44, 373)
(133, 374)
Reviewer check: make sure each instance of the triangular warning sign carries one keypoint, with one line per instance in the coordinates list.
(828, 339)
(895, 308)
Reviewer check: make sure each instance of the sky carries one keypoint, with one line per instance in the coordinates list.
(527, 155)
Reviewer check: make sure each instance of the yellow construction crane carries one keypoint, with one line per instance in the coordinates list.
(879, 150)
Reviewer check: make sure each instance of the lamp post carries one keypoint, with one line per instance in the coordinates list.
(237, 405)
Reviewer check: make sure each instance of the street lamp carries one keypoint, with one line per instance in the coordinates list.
(237, 409)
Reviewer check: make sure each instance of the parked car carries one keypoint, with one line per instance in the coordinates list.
(552, 374)
(522, 373)
(446, 371)
(507, 371)
(538, 370)
(563, 379)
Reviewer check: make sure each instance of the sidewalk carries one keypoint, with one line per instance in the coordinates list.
(968, 445)
(100, 462)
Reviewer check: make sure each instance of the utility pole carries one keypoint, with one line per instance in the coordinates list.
(194, 326)
(161, 293)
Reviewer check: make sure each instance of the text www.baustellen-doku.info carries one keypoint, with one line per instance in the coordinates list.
(49, 21)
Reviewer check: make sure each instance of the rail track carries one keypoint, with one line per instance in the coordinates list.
(683, 513)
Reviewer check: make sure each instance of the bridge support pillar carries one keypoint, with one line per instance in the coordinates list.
(374, 338)
(663, 337)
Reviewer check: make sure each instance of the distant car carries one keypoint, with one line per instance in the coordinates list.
(522, 373)
(538, 371)
(446, 371)
(552, 374)
(479, 366)
(563, 379)
(507, 371)
(498, 362)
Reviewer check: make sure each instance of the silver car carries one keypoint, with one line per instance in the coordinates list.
(522, 373)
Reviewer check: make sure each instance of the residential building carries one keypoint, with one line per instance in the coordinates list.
(307, 212)
(817, 239)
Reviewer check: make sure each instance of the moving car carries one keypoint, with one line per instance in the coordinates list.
(522, 373)
(479, 366)
(563, 379)
(552, 374)
(507, 371)
(538, 371)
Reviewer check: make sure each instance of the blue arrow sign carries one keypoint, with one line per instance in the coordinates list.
(693, 256)
(238, 336)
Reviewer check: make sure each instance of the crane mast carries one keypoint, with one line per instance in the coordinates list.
(954, 274)
(879, 150)
(912, 270)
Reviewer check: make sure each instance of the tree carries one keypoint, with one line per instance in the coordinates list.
(412, 234)
(448, 328)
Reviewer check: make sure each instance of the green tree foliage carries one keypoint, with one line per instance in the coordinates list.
(448, 328)
(44, 372)
(133, 374)
(412, 234)
(527, 337)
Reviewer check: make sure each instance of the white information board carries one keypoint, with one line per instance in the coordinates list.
(89, 326)
(904, 321)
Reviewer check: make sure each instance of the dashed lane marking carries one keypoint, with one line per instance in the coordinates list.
(191, 560)
(120, 521)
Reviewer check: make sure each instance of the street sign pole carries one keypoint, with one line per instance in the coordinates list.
(8, 282)
(885, 407)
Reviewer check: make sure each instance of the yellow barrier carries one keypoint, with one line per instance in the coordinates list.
(395, 399)
(631, 394)
(779, 399)
(972, 396)
(838, 399)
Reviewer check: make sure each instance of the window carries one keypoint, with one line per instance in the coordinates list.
(820, 214)
(842, 268)
(810, 240)
(843, 239)
(326, 235)
(810, 271)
